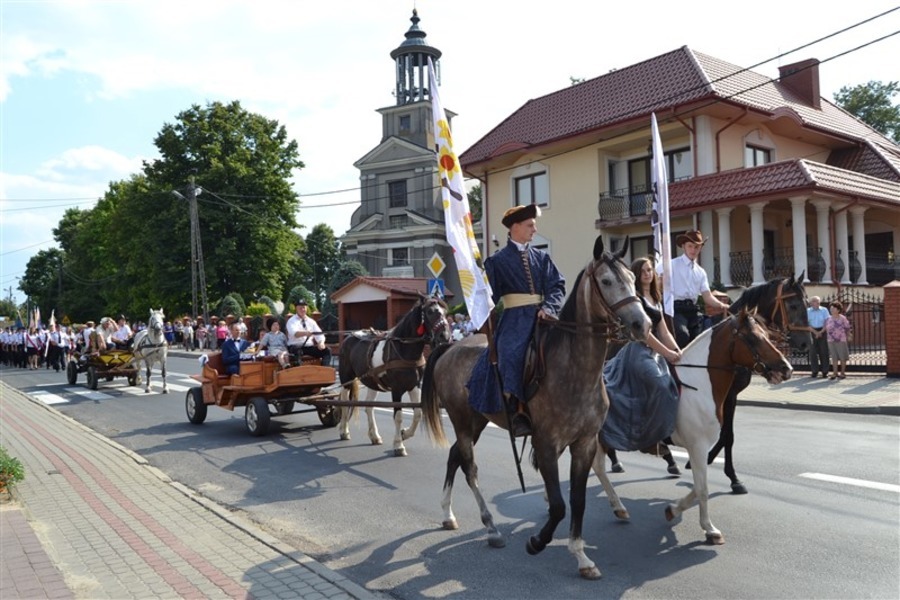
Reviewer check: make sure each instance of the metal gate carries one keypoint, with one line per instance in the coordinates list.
(866, 314)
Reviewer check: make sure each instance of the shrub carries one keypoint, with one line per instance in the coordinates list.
(11, 470)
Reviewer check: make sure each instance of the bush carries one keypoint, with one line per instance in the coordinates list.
(11, 470)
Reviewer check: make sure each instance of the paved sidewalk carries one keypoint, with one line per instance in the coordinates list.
(95, 520)
(92, 519)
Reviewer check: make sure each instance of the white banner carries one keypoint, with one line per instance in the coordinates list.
(662, 239)
(457, 217)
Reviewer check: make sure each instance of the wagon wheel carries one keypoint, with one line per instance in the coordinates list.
(92, 377)
(194, 406)
(284, 408)
(71, 372)
(257, 416)
(134, 379)
(328, 415)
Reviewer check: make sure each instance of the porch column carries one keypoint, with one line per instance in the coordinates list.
(724, 215)
(757, 243)
(707, 252)
(798, 218)
(824, 240)
(859, 240)
(841, 243)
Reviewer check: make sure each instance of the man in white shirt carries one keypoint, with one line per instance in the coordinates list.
(305, 337)
(689, 280)
(123, 335)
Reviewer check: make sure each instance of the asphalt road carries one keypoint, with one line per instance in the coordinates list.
(376, 518)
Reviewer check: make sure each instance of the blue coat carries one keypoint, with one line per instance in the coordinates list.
(506, 273)
(231, 355)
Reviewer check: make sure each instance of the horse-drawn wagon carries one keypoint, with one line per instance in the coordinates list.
(108, 365)
(260, 384)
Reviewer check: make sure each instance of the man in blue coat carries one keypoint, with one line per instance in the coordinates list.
(531, 288)
(231, 350)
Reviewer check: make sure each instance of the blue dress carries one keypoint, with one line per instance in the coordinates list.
(506, 272)
(643, 395)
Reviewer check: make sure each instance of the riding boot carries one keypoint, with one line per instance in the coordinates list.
(520, 422)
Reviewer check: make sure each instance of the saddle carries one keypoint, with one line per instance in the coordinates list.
(535, 363)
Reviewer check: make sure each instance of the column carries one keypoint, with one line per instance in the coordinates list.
(823, 237)
(708, 251)
(724, 215)
(757, 242)
(859, 240)
(841, 243)
(798, 217)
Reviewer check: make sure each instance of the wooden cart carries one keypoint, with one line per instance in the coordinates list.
(259, 385)
(108, 365)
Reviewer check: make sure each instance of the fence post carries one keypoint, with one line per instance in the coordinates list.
(892, 327)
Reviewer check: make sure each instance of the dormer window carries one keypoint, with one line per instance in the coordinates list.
(755, 156)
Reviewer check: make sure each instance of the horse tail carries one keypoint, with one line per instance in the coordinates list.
(431, 403)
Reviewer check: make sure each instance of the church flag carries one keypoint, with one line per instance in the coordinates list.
(457, 217)
(659, 220)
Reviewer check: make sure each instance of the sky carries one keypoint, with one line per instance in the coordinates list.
(85, 86)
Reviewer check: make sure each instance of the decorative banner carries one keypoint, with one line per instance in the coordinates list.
(659, 220)
(457, 218)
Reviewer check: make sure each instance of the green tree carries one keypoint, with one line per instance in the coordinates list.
(873, 103)
(476, 200)
(347, 271)
(242, 163)
(323, 257)
(42, 281)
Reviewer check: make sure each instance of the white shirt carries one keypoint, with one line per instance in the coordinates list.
(689, 280)
(123, 333)
(307, 323)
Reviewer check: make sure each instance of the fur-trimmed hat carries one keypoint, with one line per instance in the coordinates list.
(690, 236)
(517, 214)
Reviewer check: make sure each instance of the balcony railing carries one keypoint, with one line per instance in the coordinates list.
(625, 203)
(780, 263)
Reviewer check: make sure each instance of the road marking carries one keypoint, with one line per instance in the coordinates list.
(89, 394)
(875, 485)
(683, 454)
(49, 398)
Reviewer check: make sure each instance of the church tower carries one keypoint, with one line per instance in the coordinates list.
(399, 224)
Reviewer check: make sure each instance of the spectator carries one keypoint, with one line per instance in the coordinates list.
(818, 352)
(839, 332)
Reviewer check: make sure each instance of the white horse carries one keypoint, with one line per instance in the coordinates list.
(706, 371)
(150, 347)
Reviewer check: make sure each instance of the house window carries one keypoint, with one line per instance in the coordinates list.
(679, 164)
(399, 256)
(532, 189)
(397, 193)
(398, 221)
(755, 156)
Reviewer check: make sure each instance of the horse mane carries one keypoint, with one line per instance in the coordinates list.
(568, 310)
(753, 296)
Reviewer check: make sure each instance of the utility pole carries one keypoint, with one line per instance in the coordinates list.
(198, 272)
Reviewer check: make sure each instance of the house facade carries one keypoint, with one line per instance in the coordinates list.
(779, 179)
(399, 225)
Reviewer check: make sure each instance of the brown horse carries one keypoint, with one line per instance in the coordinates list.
(567, 409)
(707, 370)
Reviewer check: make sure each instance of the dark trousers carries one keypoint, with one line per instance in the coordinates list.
(324, 354)
(818, 354)
(688, 323)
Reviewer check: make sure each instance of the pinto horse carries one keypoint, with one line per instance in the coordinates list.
(567, 410)
(391, 361)
(150, 347)
(781, 304)
(708, 369)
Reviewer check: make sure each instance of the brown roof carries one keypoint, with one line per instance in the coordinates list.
(776, 180)
(665, 82)
(411, 286)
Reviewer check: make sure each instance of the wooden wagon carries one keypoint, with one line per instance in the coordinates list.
(108, 365)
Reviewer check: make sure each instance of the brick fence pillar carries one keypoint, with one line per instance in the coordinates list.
(892, 327)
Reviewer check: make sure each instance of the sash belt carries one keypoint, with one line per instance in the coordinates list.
(516, 300)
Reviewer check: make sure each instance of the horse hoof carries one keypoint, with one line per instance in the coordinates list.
(534, 546)
(400, 452)
(589, 573)
(670, 514)
(622, 515)
(738, 488)
(618, 468)
(165, 391)
(377, 441)
(715, 539)
(345, 437)
(450, 525)
(496, 541)
(674, 470)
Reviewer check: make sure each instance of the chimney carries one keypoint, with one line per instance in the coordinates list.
(802, 78)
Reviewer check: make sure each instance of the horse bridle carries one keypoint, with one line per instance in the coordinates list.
(759, 365)
(780, 310)
(611, 329)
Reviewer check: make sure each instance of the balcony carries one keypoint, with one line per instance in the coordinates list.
(626, 203)
(779, 262)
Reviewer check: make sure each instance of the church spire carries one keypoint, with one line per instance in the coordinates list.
(411, 60)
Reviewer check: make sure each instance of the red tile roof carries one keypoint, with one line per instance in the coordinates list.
(410, 286)
(661, 83)
(775, 180)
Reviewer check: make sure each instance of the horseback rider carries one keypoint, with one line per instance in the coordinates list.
(689, 280)
(531, 287)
